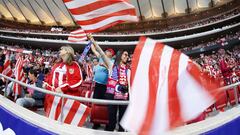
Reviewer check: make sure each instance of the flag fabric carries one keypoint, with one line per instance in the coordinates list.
(77, 36)
(40, 59)
(97, 15)
(167, 88)
(7, 70)
(85, 51)
(74, 112)
(19, 75)
(89, 72)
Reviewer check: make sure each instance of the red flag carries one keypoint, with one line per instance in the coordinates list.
(167, 88)
(89, 72)
(19, 75)
(97, 15)
(7, 70)
(77, 36)
(74, 112)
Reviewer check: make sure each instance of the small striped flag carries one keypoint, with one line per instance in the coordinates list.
(77, 36)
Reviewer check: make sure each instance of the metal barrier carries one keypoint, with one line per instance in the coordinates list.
(82, 99)
(100, 101)
(97, 101)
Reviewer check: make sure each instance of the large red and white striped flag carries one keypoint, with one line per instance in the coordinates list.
(167, 88)
(74, 112)
(97, 15)
(7, 70)
(77, 36)
(19, 75)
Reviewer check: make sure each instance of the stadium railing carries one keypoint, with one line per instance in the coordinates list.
(183, 129)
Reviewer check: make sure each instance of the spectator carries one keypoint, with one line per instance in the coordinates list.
(118, 89)
(33, 98)
(2, 59)
(101, 73)
(95, 61)
(66, 75)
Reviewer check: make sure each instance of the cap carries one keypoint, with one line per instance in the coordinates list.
(111, 50)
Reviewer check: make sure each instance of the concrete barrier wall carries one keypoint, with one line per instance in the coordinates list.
(23, 121)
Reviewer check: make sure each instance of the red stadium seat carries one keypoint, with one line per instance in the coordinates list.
(87, 94)
(231, 96)
(99, 114)
(221, 103)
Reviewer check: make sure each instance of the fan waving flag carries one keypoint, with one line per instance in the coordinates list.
(85, 51)
(74, 112)
(19, 75)
(167, 88)
(7, 70)
(97, 15)
(77, 36)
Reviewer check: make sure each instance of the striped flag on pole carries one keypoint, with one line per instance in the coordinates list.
(74, 112)
(77, 36)
(85, 51)
(19, 75)
(167, 88)
(97, 15)
(7, 70)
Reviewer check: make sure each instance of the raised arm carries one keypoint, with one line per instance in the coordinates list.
(95, 51)
(100, 52)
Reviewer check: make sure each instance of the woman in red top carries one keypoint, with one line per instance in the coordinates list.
(65, 76)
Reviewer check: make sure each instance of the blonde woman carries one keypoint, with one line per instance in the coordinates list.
(65, 76)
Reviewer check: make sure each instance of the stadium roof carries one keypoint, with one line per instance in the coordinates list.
(54, 12)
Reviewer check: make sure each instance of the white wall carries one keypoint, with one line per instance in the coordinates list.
(169, 7)
(180, 6)
(203, 3)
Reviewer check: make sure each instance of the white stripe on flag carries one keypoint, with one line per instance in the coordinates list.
(161, 121)
(71, 39)
(53, 109)
(79, 114)
(66, 109)
(187, 102)
(140, 87)
(78, 35)
(101, 11)
(78, 31)
(108, 21)
(75, 3)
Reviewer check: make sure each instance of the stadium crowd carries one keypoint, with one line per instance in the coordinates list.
(222, 64)
(222, 41)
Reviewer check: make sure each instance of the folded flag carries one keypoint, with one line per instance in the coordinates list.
(19, 75)
(7, 70)
(74, 112)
